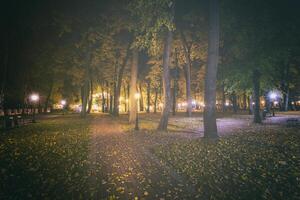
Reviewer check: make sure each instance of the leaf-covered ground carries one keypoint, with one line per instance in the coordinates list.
(46, 159)
(102, 158)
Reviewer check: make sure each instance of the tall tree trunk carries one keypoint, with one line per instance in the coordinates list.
(174, 97)
(84, 97)
(119, 82)
(234, 102)
(133, 86)
(209, 117)
(141, 97)
(188, 67)
(223, 98)
(103, 100)
(48, 97)
(155, 100)
(111, 100)
(286, 87)
(244, 101)
(163, 124)
(256, 88)
(90, 103)
(148, 96)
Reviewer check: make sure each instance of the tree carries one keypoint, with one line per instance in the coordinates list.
(133, 86)
(209, 117)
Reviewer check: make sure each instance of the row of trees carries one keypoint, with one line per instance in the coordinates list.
(166, 49)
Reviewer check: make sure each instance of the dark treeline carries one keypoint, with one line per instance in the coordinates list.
(107, 51)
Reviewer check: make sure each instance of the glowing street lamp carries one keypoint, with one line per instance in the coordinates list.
(34, 98)
(63, 104)
(273, 96)
(137, 97)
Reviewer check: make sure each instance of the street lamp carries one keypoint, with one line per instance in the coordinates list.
(34, 98)
(137, 97)
(63, 104)
(273, 96)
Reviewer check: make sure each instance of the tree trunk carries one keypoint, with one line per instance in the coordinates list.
(163, 124)
(103, 100)
(244, 101)
(155, 100)
(174, 96)
(84, 97)
(133, 88)
(256, 88)
(119, 83)
(223, 98)
(209, 117)
(234, 102)
(188, 67)
(141, 97)
(111, 100)
(48, 97)
(90, 103)
(148, 96)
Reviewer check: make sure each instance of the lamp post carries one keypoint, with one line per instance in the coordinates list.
(137, 97)
(34, 98)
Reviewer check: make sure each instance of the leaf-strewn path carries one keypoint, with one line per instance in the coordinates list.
(124, 167)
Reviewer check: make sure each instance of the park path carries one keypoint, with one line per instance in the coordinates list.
(122, 166)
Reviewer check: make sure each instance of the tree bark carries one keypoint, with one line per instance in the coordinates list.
(209, 117)
(48, 97)
(163, 124)
(90, 103)
(119, 83)
(188, 67)
(141, 97)
(148, 96)
(223, 98)
(84, 97)
(155, 100)
(256, 88)
(133, 86)
(234, 102)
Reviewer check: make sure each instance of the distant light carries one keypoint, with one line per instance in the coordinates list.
(63, 102)
(275, 102)
(127, 100)
(292, 103)
(34, 97)
(194, 102)
(137, 95)
(227, 104)
(273, 95)
(253, 103)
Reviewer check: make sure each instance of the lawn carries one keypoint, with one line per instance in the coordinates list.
(47, 159)
(50, 159)
(263, 165)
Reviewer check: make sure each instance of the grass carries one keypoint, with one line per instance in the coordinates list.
(263, 165)
(46, 159)
(50, 159)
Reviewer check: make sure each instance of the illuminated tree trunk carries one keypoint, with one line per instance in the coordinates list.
(256, 88)
(90, 103)
(163, 124)
(223, 98)
(209, 117)
(133, 86)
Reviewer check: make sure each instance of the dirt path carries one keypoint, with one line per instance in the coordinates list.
(122, 166)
